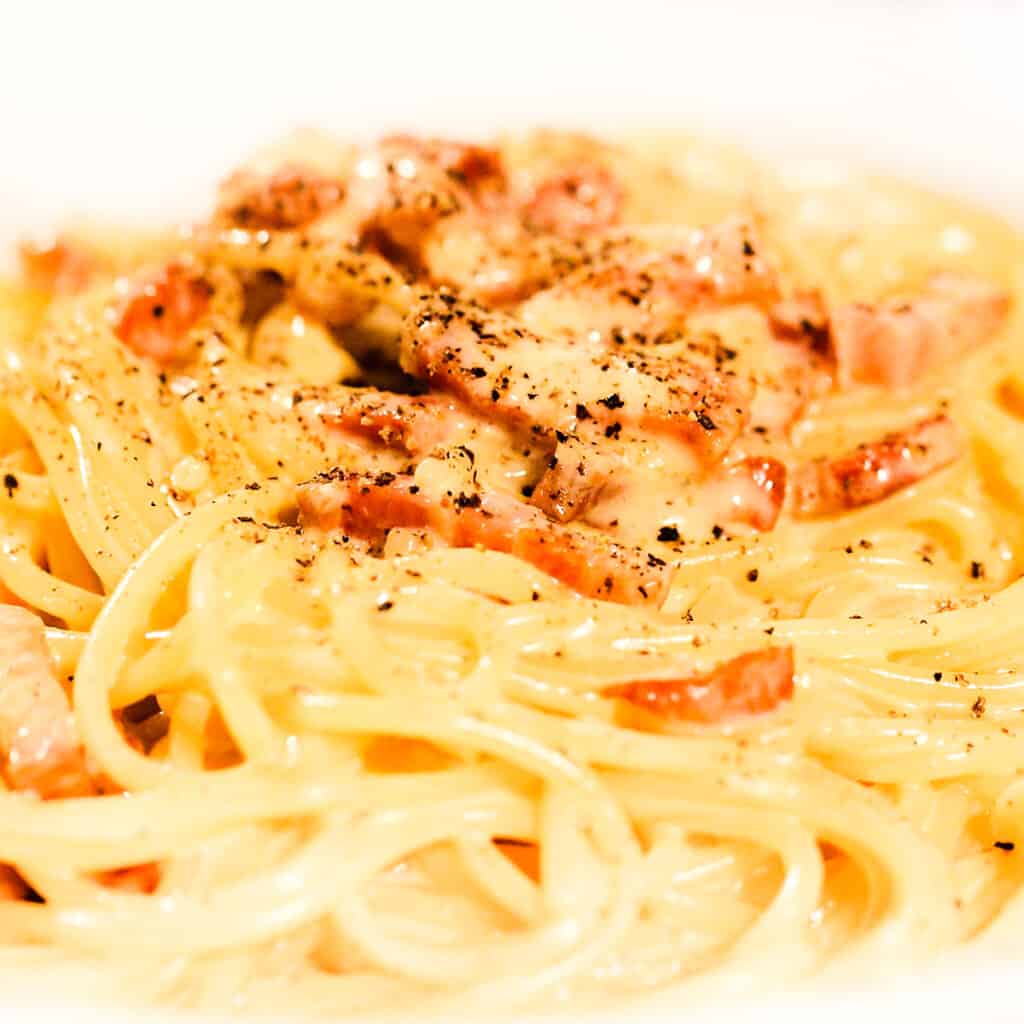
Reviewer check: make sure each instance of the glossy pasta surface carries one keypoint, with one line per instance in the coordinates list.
(454, 576)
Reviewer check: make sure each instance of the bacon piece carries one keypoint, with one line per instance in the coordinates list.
(494, 259)
(571, 385)
(155, 320)
(368, 506)
(138, 878)
(12, 886)
(632, 294)
(38, 742)
(291, 197)
(580, 198)
(475, 166)
(444, 210)
(752, 492)
(729, 257)
(62, 268)
(790, 376)
(338, 283)
(873, 471)
(801, 317)
(416, 423)
(523, 853)
(750, 684)
(894, 344)
(144, 723)
(405, 186)
(574, 478)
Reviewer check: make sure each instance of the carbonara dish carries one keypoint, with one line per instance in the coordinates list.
(506, 574)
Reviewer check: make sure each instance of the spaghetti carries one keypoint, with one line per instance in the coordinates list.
(549, 570)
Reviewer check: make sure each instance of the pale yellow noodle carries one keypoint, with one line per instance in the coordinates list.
(391, 783)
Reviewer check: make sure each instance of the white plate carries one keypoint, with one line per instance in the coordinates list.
(131, 111)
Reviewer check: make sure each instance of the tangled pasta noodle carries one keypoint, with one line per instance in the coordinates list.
(458, 575)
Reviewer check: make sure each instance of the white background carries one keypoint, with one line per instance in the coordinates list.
(134, 110)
